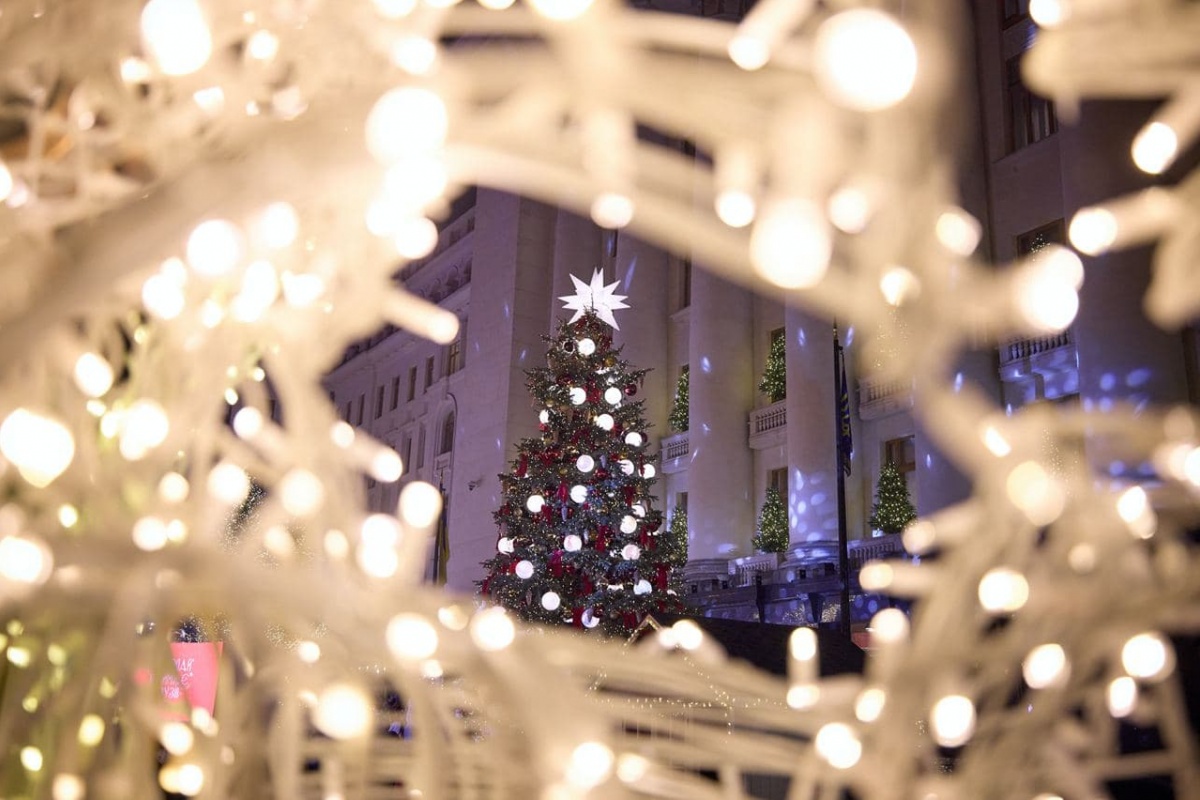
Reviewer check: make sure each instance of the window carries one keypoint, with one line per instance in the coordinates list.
(362, 401)
(447, 442)
(407, 451)
(682, 270)
(412, 383)
(1030, 118)
(346, 413)
(681, 501)
(1031, 242)
(778, 479)
(454, 357)
(1014, 11)
(421, 449)
(428, 373)
(379, 401)
(903, 453)
(395, 392)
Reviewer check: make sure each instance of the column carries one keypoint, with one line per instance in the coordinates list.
(721, 363)
(577, 251)
(641, 269)
(811, 438)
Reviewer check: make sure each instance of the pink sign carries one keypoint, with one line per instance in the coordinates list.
(195, 677)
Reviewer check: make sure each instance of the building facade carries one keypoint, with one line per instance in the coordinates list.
(455, 413)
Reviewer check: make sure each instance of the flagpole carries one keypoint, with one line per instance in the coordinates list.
(843, 539)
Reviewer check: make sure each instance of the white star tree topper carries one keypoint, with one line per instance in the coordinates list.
(595, 297)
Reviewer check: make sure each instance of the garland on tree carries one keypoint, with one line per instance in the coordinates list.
(773, 535)
(774, 379)
(580, 542)
(678, 418)
(893, 508)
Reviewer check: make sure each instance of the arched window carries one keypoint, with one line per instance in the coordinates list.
(447, 442)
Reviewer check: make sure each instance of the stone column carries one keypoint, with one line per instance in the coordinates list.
(811, 439)
(1123, 357)
(578, 243)
(641, 269)
(720, 475)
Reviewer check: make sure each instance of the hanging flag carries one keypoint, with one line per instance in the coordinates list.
(845, 437)
(441, 544)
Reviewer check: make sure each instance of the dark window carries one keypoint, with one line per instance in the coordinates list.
(346, 413)
(395, 392)
(903, 453)
(1031, 118)
(428, 373)
(1031, 242)
(421, 449)
(447, 443)
(362, 401)
(412, 383)
(378, 402)
(778, 479)
(1014, 11)
(454, 357)
(683, 283)
(407, 451)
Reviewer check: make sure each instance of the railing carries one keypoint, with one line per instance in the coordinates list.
(451, 235)
(674, 447)
(745, 569)
(769, 418)
(863, 550)
(1018, 349)
(877, 397)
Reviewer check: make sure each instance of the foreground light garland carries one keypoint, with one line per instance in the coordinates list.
(236, 268)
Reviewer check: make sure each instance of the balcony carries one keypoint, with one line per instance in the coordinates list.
(675, 451)
(768, 425)
(1039, 367)
(879, 398)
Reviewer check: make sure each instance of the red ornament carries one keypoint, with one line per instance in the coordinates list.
(522, 465)
(630, 389)
(577, 617)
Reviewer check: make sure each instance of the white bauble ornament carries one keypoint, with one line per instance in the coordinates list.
(535, 503)
(579, 493)
(626, 466)
(638, 510)
(505, 545)
(524, 570)
(551, 601)
(588, 618)
(572, 543)
(605, 422)
(642, 587)
(586, 346)
(631, 552)
(578, 396)
(628, 524)
(648, 471)
(634, 439)
(544, 416)
(612, 395)
(585, 463)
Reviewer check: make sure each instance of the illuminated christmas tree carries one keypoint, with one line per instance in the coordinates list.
(893, 509)
(675, 545)
(774, 379)
(678, 418)
(580, 542)
(772, 536)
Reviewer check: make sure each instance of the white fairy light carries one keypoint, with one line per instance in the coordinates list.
(492, 630)
(420, 504)
(1148, 656)
(612, 210)
(590, 764)
(1155, 147)
(277, 226)
(6, 181)
(67, 786)
(144, 427)
(177, 35)
(1133, 506)
(524, 569)
(415, 237)
(1003, 590)
(394, 9)
(68, 515)
(416, 55)
(1092, 230)
(404, 121)
(1048, 13)
(91, 730)
(31, 758)
(1036, 492)
(25, 559)
(343, 712)
(150, 534)
(579, 493)
(551, 601)
(605, 422)
(262, 45)
(868, 706)
(749, 52)
(958, 231)
(838, 745)
(301, 493)
(634, 439)
(93, 375)
(995, 442)
(898, 285)
(228, 483)
(38, 445)
(648, 471)
(577, 395)
(1046, 665)
(561, 10)
(215, 247)
(535, 503)
(612, 396)
(1121, 696)
(889, 626)
(953, 720)
(585, 463)
(411, 637)
(858, 82)
(572, 543)
(504, 545)
(790, 245)
(211, 100)
(163, 296)
(176, 738)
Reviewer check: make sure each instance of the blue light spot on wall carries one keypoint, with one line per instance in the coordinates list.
(798, 479)
(1139, 377)
(800, 337)
(1108, 381)
(801, 507)
(928, 460)
(705, 364)
(818, 498)
(849, 336)
(958, 382)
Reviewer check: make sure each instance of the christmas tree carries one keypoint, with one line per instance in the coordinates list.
(774, 379)
(893, 509)
(772, 534)
(675, 546)
(678, 418)
(580, 542)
